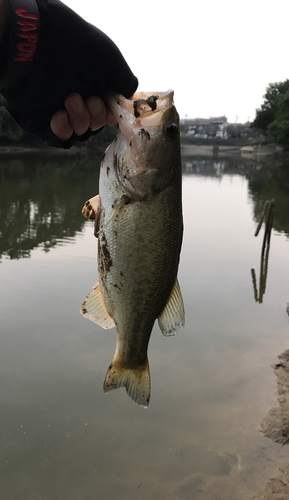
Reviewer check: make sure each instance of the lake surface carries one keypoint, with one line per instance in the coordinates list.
(206, 434)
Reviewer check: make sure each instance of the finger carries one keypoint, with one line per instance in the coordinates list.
(61, 126)
(97, 111)
(78, 113)
(110, 117)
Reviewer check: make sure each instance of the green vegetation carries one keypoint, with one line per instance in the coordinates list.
(273, 115)
(8, 127)
(279, 128)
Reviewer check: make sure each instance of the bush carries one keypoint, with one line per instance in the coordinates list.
(8, 127)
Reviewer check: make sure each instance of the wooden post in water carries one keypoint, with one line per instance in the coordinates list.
(267, 215)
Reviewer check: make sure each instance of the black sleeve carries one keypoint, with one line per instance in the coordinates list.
(52, 52)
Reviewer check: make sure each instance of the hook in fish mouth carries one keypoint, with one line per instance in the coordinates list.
(142, 105)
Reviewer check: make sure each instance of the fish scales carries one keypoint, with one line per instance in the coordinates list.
(139, 227)
(141, 276)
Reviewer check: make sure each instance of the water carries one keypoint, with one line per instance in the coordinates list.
(213, 386)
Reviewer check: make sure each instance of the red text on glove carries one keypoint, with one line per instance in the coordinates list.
(28, 25)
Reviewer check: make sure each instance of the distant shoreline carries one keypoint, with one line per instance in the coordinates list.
(216, 150)
(187, 150)
(9, 150)
(22, 149)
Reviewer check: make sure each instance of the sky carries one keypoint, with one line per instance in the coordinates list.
(217, 55)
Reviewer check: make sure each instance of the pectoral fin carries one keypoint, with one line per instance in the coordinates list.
(94, 308)
(91, 210)
(172, 319)
(91, 207)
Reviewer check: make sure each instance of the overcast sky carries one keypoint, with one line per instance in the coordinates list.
(217, 55)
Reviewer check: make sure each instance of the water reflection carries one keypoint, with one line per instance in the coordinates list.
(217, 167)
(41, 201)
(259, 292)
(271, 181)
(213, 384)
(266, 180)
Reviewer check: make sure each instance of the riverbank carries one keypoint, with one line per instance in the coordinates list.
(224, 150)
(23, 150)
(30, 145)
(187, 149)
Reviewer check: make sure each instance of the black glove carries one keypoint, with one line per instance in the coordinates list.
(52, 53)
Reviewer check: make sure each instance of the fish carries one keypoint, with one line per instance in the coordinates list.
(139, 225)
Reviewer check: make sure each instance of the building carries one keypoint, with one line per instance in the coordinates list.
(206, 127)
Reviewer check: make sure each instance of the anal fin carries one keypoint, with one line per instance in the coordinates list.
(172, 318)
(94, 308)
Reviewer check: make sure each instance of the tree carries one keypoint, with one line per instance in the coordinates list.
(266, 114)
(8, 127)
(279, 128)
(235, 130)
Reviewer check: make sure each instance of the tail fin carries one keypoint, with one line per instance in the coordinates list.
(137, 381)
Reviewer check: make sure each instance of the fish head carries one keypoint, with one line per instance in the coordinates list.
(147, 148)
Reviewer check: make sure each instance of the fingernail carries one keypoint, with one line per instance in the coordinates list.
(95, 107)
(77, 104)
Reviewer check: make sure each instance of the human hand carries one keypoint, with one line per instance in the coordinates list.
(51, 86)
(79, 115)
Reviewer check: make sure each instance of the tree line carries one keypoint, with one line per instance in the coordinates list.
(273, 115)
(8, 127)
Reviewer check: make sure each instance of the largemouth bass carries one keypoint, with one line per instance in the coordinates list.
(138, 223)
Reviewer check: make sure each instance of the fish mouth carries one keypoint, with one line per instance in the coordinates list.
(144, 109)
(145, 103)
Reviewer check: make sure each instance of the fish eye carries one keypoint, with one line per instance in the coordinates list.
(171, 130)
